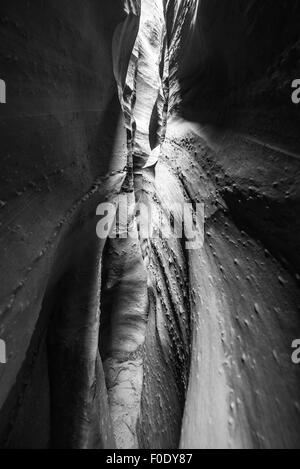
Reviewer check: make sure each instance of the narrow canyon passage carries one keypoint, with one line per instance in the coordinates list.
(149, 341)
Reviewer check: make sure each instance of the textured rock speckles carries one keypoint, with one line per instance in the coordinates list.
(233, 173)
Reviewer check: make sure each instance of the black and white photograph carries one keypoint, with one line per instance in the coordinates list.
(149, 227)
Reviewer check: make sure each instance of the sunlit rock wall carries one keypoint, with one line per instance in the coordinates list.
(232, 142)
(147, 55)
(124, 300)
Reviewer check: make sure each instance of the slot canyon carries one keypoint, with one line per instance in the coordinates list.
(138, 342)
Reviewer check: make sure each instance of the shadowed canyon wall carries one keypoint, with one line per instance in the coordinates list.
(63, 151)
(142, 342)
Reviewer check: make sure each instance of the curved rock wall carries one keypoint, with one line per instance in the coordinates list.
(232, 141)
(64, 150)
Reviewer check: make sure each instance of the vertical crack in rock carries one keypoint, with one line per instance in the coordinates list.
(124, 302)
(145, 325)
